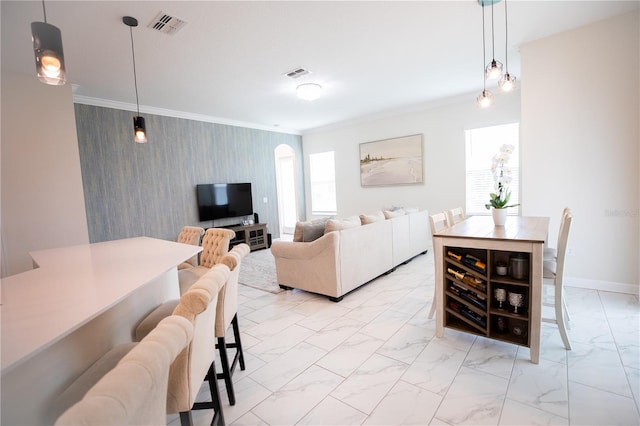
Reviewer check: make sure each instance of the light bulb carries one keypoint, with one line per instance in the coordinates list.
(493, 70)
(51, 65)
(507, 83)
(485, 99)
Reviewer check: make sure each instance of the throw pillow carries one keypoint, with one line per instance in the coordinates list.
(388, 214)
(308, 230)
(370, 218)
(338, 224)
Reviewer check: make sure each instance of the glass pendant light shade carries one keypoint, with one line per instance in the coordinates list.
(507, 83)
(47, 46)
(139, 130)
(493, 71)
(485, 99)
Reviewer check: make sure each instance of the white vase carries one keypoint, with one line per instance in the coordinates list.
(499, 216)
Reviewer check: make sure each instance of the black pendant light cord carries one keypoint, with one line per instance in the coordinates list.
(506, 35)
(45, 12)
(493, 47)
(135, 79)
(484, 79)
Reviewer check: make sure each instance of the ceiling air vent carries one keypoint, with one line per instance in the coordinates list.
(166, 24)
(298, 72)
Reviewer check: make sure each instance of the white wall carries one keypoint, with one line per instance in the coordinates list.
(580, 143)
(42, 197)
(443, 152)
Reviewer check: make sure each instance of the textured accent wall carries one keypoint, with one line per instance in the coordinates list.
(148, 189)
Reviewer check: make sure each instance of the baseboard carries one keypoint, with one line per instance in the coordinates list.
(602, 285)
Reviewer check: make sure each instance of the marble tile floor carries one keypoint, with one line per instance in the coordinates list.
(373, 359)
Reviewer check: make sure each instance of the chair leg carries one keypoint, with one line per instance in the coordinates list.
(218, 416)
(226, 371)
(559, 305)
(567, 317)
(238, 344)
(432, 310)
(185, 418)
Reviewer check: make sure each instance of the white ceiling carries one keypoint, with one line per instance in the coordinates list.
(228, 62)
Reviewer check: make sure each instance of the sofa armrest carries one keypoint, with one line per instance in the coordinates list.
(312, 266)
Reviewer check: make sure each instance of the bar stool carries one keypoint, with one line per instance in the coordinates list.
(190, 235)
(553, 275)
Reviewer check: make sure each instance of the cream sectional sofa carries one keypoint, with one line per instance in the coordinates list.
(350, 254)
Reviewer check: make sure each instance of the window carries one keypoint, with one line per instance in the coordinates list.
(481, 145)
(322, 174)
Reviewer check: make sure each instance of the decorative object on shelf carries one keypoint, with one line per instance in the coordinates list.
(516, 300)
(519, 265)
(499, 201)
(139, 127)
(501, 296)
(501, 269)
(502, 325)
(47, 47)
(518, 328)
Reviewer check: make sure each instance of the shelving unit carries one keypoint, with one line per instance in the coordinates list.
(255, 236)
(471, 303)
(467, 256)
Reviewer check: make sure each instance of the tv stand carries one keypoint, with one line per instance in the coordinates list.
(255, 236)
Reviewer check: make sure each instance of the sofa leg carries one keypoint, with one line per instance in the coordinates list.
(335, 299)
(389, 271)
(284, 287)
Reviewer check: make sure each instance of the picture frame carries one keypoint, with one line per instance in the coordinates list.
(394, 161)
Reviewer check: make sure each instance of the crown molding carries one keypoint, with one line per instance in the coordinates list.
(106, 103)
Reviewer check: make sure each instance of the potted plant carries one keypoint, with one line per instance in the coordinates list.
(499, 200)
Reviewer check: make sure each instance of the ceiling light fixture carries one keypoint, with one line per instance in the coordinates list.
(47, 46)
(309, 91)
(494, 68)
(486, 98)
(139, 128)
(508, 82)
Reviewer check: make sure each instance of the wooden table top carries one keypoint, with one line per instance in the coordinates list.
(517, 228)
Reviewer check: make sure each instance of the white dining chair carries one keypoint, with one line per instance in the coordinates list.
(551, 253)
(455, 215)
(437, 222)
(553, 275)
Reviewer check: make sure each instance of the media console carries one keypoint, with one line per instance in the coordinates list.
(255, 236)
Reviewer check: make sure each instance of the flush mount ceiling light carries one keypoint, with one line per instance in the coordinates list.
(309, 91)
(139, 128)
(47, 46)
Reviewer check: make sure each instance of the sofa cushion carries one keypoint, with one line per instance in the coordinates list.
(339, 224)
(371, 218)
(310, 230)
(388, 214)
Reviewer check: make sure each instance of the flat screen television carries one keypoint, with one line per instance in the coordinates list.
(224, 200)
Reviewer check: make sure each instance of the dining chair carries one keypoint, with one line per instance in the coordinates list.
(190, 235)
(455, 215)
(227, 317)
(195, 363)
(550, 253)
(215, 244)
(553, 275)
(437, 222)
(133, 388)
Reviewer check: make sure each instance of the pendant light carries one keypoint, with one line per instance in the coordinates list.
(508, 82)
(486, 98)
(47, 46)
(139, 128)
(494, 68)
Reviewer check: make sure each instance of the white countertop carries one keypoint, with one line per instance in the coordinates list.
(73, 285)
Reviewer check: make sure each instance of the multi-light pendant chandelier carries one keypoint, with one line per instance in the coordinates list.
(47, 46)
(139, 128)
(493, 69)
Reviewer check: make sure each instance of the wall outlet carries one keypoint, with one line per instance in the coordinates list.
(264, 200)
(571, 251)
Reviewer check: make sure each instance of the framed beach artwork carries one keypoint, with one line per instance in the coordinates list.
(396, 161)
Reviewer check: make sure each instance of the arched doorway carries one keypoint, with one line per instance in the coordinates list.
(286, 181)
